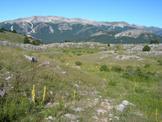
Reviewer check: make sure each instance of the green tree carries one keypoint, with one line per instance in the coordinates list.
(14, 31)
(2, 30)
(156, 41)
(26, 40)
(36, 42)
(146, 48)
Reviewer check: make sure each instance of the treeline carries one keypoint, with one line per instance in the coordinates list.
(155, 41)
(3, 30)
(30, 40)
(27, 40)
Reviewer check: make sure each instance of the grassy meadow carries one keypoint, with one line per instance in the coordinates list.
(80, 85)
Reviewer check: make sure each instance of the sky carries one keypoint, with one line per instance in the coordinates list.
(140, 12)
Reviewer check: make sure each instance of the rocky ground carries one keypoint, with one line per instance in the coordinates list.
(78, 90)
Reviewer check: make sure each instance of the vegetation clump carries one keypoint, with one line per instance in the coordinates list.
(2, 30)
(27, 40)
(13, 31)
(112, 83)
(138, 75)
(156, 41)
(159, 62)
(44, 92)
(108, 44)
(78, 63)
(146, 48)
(116, 69)
(104, 68)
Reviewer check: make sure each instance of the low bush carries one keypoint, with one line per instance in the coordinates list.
(116, 69)
(159, 62)
(12, 109)
(26, 40)
(108, 44)
(104, 68)
(30, 41)
(146, 65)
(2, 30)
(112, 83)
(1, 66)
(156, 41)
(146, 48)
(139, 75)
(36, 42)
(78, 63)
(14, 31)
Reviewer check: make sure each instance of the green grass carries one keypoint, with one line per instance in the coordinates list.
(17, 38)
(136, 81)
(11, 37)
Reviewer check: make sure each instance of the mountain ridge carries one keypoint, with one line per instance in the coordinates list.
(58, 29)
(90, 20)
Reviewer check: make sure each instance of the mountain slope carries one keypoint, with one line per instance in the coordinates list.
(11, 37)
(59, 29)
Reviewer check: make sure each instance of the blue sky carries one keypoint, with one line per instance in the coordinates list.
(141, 12)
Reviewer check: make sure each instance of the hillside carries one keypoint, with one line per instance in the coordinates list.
(51, 29)
(89, 82)
(11, 37)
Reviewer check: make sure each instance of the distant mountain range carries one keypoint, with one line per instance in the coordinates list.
(51, 29)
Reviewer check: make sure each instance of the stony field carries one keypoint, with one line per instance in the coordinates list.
(83, 82)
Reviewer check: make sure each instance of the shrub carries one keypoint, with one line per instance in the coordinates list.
(67, 40)
(139, 90)
(33, 42)
(78, 54)
(36, 42)
(154, 41)
(129, 72)
(12, 109)
(139, 75)
(159, 62)
(2, 30)
(116, 68)
(104, 68)
(146, 48)
(78, 63)
(26, 40)
(1, 66)
(112, 83)
(14, 31)
(147, 66)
